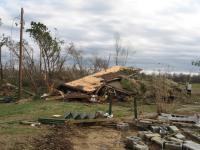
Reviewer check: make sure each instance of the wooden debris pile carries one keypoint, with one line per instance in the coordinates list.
(95, 87)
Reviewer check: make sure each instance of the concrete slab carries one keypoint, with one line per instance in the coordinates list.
(158, 140)
(140, 147)
(150, 135)
(172, 146)
(141, 134)
(123, 126)
(173, 129)
(155, 129)
(180, 136)
(135, 143)
(190, 145)
(175, 139)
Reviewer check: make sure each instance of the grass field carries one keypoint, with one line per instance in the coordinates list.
(13, 134)
(34, 109)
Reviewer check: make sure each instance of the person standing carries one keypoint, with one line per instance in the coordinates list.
(189, 88)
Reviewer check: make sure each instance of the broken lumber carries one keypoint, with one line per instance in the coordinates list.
(15, 87)
(88, 122)
(54, 98)
(51, 121)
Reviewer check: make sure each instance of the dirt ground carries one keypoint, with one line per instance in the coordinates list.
(84, 138)
(99, 138)
(57, 139)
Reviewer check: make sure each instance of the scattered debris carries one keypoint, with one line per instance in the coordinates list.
(173, 129)
(10, 87)
(158, 140)
(77, 96)
(170, 145)
(193, 133)
(108, 116)
(178, 118)
(94, 98)
(51, 121)
(190, 145)
(78, 115)
(167, 135)
(7, 99)
(57, 116)
(123, 126)
(180, 136)
(95, 87)
(31, 123)
(135, 143)
(79, 121)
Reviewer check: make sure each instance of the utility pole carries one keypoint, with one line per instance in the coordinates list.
(135, 107)
(110, 104)
(20, 53)
(1, 67)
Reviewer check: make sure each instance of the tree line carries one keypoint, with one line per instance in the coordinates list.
(57, 62)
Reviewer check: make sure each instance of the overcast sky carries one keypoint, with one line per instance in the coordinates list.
(162, 32)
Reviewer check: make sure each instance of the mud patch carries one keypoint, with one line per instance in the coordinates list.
(56, 139)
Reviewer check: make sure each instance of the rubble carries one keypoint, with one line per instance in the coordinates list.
(135, 143)
(95, 87)
(175, 139)
(180, 136)
(158, 140)
(7, 99)
(156, 133)
(123, 126)
(168, 136)
(173, 129)
(151, 135)
(178, 118)
(190, 145)
(169, 145)
(31, 123)
(194, 133)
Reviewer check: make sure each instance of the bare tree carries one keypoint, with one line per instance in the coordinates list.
(121, 53)
(99, 63)
(76, 57)
(28, 63)
(3, 41)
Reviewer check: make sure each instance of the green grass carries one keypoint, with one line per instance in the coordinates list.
(33, 110)
(14, 129)
(11, 114)
(195, 97)
(195, 93)
(196, 88)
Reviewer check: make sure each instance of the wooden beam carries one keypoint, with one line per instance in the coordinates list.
(21, 53)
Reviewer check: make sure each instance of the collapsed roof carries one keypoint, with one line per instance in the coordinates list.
(91, 83)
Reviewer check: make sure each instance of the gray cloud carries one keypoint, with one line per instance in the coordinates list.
(96, 6)
(166, 32)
